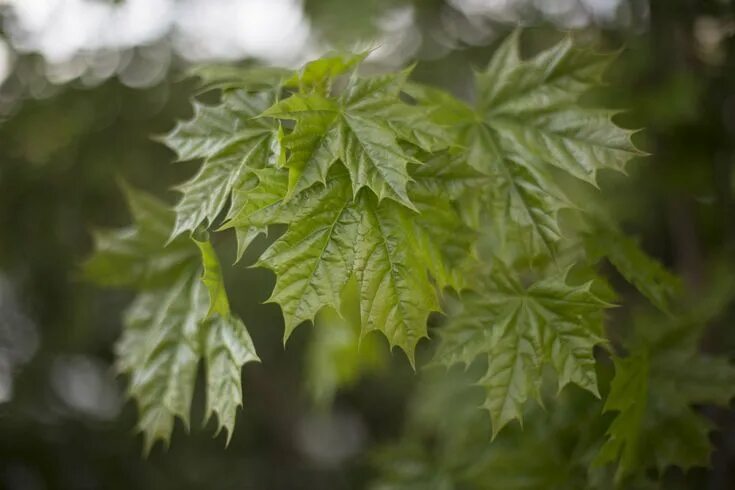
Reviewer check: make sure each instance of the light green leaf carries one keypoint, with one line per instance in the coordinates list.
(315, 143)
(336, 356)
(206, 194)
(262, 189)
(357, 129)
(175, 320)
(228, 77)
(331, 236)
(318, 74)
(212, 279)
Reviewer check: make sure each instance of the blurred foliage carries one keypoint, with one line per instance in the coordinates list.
(64, 148)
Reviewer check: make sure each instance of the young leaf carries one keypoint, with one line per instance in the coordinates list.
(227, 77)
(261, 189)
(212, 279)
(355, 129)
(337, 356)
(317, 75)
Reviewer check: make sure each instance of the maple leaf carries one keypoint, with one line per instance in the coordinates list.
(533, 106)
(649, 276)
(654, 390)
(175, 320)
(232, 142)
(527, 116)
(331, 236)
(361, 128)
(519, 330)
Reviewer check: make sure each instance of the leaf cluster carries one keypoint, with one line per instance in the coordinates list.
(399, 200)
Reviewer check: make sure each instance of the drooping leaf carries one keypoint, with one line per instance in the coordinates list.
(227, 347)
(159, 351)
(135, 256)
(396, 295)
(314, 259)
(175, 320)
(212, 279)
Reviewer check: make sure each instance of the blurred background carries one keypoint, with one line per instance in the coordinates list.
(86, 83)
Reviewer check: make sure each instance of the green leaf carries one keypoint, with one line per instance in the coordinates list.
(315, 142)
(135, 256)
(315, 257)
(629, 396)
(524, 200)
(441, 239)
(332, 236)
(654, 392)
(227, 347)
(533, 108)
(396, 295)
(519, 330)
(159, 351)
(318, 74)
(336, 356)
(175, 320)
(353, 129)
(212, 279)
(227, 77)
(232, 142)
(652, 279)
(261, 189)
